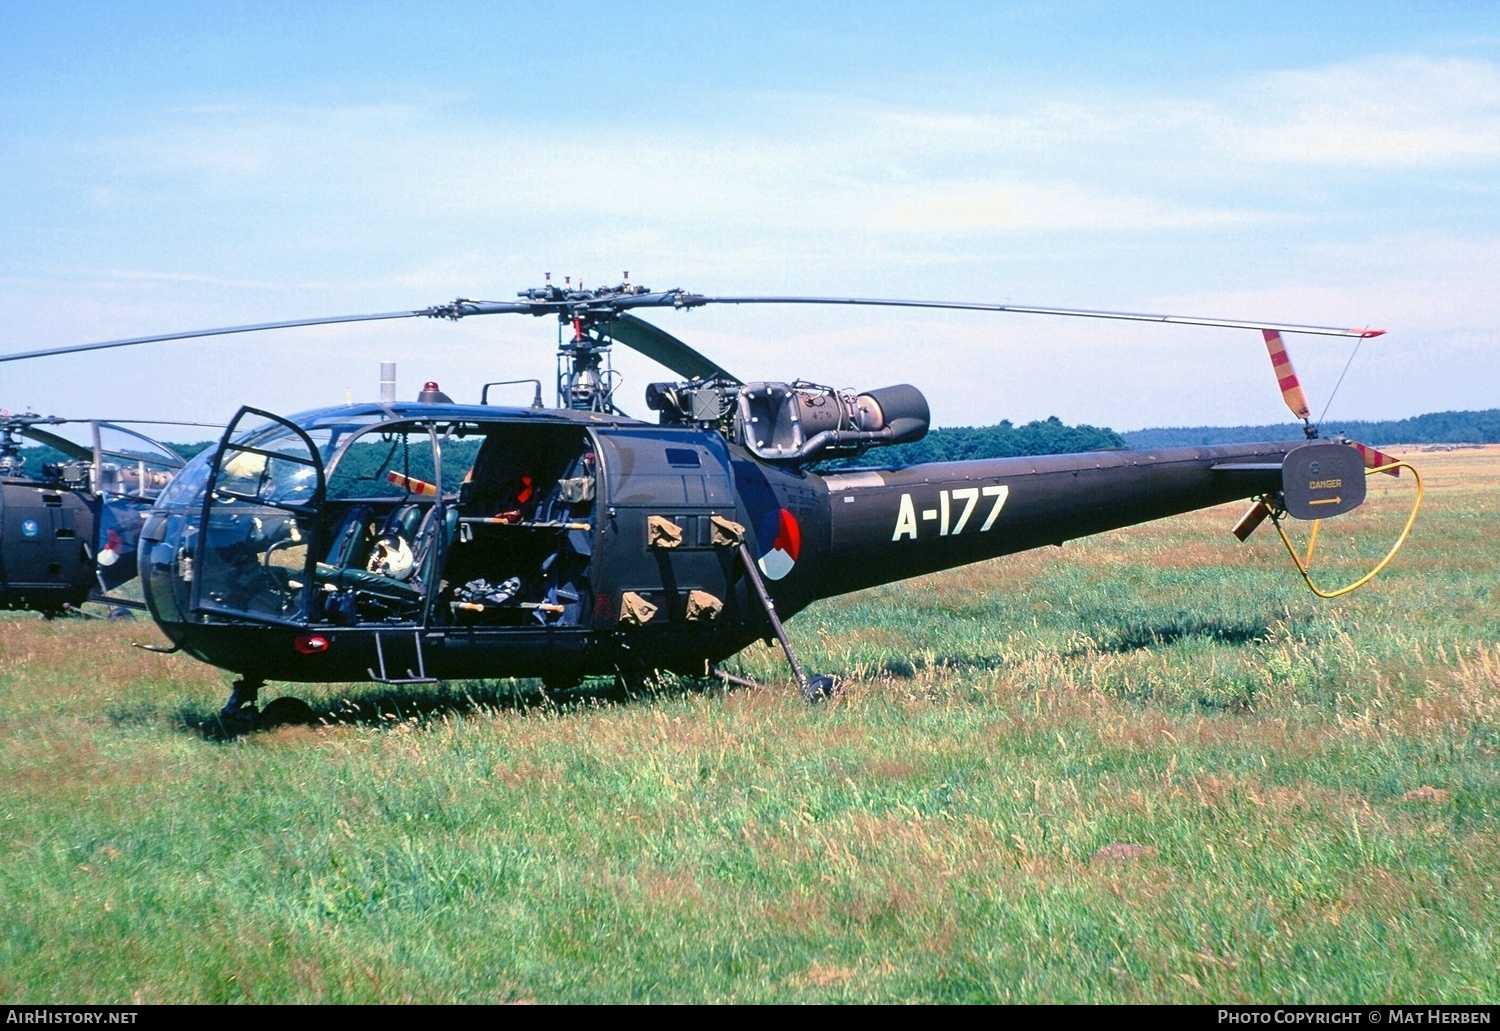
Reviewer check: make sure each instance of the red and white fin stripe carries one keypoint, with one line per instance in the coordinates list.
(1376, 459)
(1286, 376)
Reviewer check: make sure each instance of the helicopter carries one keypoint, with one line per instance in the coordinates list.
(409, 542)
(69, 527)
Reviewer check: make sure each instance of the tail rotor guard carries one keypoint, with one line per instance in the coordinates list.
(1320, 481)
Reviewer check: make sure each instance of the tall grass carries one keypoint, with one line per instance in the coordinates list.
(1148, 767)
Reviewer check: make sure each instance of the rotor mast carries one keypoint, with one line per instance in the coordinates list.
(12, 462)
(12, 428)
(585, 373)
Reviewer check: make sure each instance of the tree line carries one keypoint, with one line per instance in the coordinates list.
(1049, 436)
(1052, 436)
(1475, 427)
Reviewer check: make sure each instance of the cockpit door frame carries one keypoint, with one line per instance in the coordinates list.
(168, 459)
(435, 534)
(305, 512)
(438, 528)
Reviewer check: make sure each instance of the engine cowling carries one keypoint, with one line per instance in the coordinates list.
(797, 422)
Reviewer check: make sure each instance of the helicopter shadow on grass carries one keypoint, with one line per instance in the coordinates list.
(379, 705)
(1107, 639)
(905, 668)
(1141, 636)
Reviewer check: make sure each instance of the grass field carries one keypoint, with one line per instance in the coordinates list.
(1147, 767)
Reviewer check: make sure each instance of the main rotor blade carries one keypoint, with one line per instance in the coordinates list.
(223, 331)
(612, 303)
(119, 423)
(112, 423)
(70, 448)
(1083, 313)
(659, 345)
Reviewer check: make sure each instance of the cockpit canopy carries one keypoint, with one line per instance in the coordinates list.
(371, 448)
(356, 515)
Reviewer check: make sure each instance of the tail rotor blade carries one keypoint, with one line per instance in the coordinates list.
(1286, 376)
(1250, 520)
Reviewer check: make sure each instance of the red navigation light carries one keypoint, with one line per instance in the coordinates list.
(430, 385)
(312, 644)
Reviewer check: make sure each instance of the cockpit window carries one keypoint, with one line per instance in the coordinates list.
(274, 480)
(187, 486)
(393, 461)
(461, 442)
(129, 445)
(329, 432)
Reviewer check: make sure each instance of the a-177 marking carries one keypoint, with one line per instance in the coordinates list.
(906, 516)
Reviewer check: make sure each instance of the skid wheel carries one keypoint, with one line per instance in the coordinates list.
(241, 713)
(629, 687)
(287, 711)
(560, 685)
(118, 613)
(561, 690)
(821, 688)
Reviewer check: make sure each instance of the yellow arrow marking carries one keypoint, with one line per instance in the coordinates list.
(1326, 501)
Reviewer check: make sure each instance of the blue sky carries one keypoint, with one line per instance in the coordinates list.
(168, 166)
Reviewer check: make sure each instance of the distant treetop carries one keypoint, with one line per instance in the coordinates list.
(1481, 427)
(960, 443)
(1054, 437)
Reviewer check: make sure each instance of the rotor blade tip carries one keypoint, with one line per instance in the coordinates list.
(1367, 333)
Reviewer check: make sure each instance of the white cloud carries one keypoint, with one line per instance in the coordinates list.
(1377, 112)
(874, 170)
(1383, 111)
(237, 214)
(1016, 204)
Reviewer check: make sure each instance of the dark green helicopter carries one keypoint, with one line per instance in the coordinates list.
(71, 511)
(408, 542)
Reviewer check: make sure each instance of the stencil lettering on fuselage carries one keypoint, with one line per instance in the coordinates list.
(953, 511)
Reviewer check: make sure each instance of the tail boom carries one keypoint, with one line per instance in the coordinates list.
(890, 524)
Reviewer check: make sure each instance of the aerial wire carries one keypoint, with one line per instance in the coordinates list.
(1357, 342)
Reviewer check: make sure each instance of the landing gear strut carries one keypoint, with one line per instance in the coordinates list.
(241, 707)
(813, 688)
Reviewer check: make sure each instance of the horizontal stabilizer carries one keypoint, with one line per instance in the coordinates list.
(1247, 467)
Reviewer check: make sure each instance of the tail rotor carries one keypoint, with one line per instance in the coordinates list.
(1286, 379)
